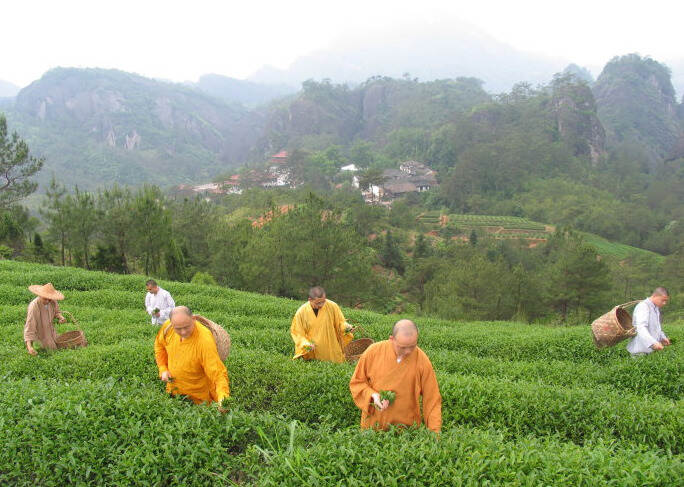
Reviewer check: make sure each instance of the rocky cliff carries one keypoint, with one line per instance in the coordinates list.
(94, 125)
(636, 102)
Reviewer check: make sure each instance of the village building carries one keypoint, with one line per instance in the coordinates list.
(411, 177)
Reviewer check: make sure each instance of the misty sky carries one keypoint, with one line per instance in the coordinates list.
(181, 40)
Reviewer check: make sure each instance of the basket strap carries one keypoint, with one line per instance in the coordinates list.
(166, 330)
(625, 305)
(71, 318)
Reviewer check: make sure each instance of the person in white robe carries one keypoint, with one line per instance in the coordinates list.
(648, 321)
(158, 303)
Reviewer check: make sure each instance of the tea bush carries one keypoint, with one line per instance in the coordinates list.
(522, 404)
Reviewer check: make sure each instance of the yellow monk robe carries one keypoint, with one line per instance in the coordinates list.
(411, 378)
(193, 362)
(326, 331)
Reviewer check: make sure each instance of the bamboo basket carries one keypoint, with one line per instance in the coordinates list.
(221, 336)
(71, 339)
(611, 328)
(355, 348)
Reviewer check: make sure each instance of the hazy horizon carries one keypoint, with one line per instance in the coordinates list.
(165, 40)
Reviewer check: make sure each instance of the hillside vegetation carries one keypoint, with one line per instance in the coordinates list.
(96, 126)
(522, 404)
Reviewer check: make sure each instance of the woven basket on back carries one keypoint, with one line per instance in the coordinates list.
(613, 327)
(355, 348)
(73, 338)
(221, 336)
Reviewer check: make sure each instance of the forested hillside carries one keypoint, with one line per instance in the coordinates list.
(554, 154)
(637, 106)
(551, 153)
(99, 126)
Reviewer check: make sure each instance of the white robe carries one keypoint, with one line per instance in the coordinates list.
(647, 320)
(163, 301)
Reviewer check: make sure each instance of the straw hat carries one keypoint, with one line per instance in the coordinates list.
(47, 291)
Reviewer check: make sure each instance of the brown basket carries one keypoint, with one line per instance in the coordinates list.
(73, 338)
(221, 336)
(355, 348)
(613, 327)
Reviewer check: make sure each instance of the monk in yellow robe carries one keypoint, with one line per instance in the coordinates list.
(319, 330)
(399, 366)
(188, 360)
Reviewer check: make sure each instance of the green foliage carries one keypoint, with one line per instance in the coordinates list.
(17, 167)
(106, 126)
(203, 278)
(636, 101)
(577, 276)
(309, 245)
(5, 252)
(522, 404)
(390, 255)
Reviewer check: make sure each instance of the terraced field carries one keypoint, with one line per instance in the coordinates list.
(515, 228)
(523, 405)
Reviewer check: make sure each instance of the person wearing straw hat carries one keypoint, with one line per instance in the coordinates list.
(188, 360)
(319, 329)
(40, 314)
(648, 320)
(390, 379)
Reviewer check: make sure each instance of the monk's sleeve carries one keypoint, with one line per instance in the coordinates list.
(432, 399)
(31, 325)
(160, 354)
(215, 370)
(359, 385)
(298, 332)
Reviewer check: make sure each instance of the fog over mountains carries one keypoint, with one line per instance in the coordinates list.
(424, 50)
(8, 89)
(104, 125)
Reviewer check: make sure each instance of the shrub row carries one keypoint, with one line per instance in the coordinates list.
(119, 433)
(316, 392)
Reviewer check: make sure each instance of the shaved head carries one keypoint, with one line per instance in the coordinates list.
(182, 321)
(404, 338)
(660, 296)
(660, 291)
(404, 327)
(182, 310)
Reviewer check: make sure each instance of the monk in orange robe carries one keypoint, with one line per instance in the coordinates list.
(188, 360)
(399, 366)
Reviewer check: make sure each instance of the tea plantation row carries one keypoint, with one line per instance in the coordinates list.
(523, 405)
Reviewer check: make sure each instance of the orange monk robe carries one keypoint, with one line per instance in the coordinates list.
(326, 331)
(378, 370)
(193, 362)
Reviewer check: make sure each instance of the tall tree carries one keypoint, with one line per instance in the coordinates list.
(55, 215)
(17, 166)
(151, 227)
(577, 278)
(116, 209)
(194, 221)
(82, 223)
(391, 254)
